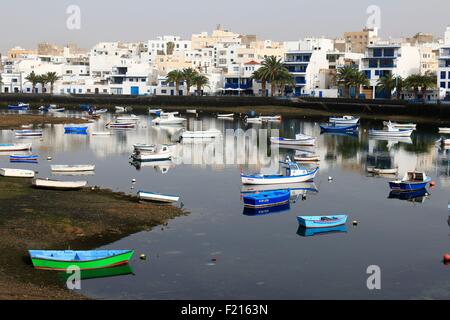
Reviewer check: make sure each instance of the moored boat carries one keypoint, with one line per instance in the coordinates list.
(73, 129)
(84, 260)
(157, 197)
(15, 146)
(19, 106)
(344, 120)
(322, 221)
(154, 111)
(211, 133)
(57, 184)
(17, 173)
(306, 158)
(271, 118)
(144, 147)
(101, 133)
(382, 171)
(72, 168)
(19, 157)
(333, 127)
(293, 173)
(267, 199)
(191, 111)
(412, 180)
(399, 125)
(28, 133)
(444, 130)
(121, 125)
(391, 132)
(300, 140)
(225, 115)
(168, 119)
(253, 120)
(161, 152)
(127, 119)
(248, 211)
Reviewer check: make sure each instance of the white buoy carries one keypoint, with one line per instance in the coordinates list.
(133, 180)
(355, 223)
(330, 178)
(49, 158)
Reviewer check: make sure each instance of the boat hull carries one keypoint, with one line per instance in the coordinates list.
(264, 180)
(157, 197)
(41, 262)
(407, 186)
(267, 199)
(318, 222)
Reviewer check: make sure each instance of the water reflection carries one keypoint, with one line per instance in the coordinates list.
(310, 232)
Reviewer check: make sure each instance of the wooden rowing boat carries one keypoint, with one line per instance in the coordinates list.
(17, 173)
(157, 197)
(56, 184)
(73, 168)
(15, 146)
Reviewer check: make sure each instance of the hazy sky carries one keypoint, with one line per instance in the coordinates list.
(27, 22)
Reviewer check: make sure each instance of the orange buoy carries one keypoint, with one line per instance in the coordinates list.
(446, 258)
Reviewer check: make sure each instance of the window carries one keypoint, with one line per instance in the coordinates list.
(442, 75)
(105, 90)
(28, 89)
(164, 91)
(80, 90)
(443, 85)
(377, 52)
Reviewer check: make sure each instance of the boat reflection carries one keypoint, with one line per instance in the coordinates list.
(352, 134)
(309, 232)
(265, 211)
(161, 166)
(297, 189)
(74, 173)
(100, 273)
(417, 196)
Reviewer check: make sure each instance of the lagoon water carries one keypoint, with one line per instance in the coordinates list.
(218, 252)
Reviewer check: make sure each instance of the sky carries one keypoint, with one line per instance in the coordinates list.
(27, 22)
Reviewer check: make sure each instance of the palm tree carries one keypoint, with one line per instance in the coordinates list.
(344, 77)
(359, 80)
(386, 83)
(274, 69)
(200, 81)
(42, 79)
(189, 74)
(33, 79)
(176, 76)
(261, 75)
(284, 79)
(399, 85)
(414, 82)
(429, 80)
(51, 78)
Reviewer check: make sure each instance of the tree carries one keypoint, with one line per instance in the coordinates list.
(414, 82)
(344, 77)
(200, 81)
(51, 78)
(386, 83)
(33, 79)
(399, 85)
(273, 69)
(284, 79)
(189, 74)
(429, 80)
(359, 79)
(42, 79)
(176, 76)
(261, 75)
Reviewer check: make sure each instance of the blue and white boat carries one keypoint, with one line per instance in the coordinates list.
(322, 221)
(412, 180)
(28, 133)
(348, 120)
(80, 130)
(293, 173)
(333, 127)
(267, 199)
(300, 140)
(19, 106)
(265, 211)
(310, 232)
(22, 158)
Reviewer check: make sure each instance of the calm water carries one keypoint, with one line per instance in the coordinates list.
(218, 252)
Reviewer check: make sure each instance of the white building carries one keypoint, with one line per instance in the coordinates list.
(444, 67)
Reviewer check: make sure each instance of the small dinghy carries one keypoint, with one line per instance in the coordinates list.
(211, 133)
(28, 133)
(344, 120)
(382, 171)
(15, 146)
(157, 197)
(101, 133)
(79, 130)
(253, 120)
(121, 125)
(56, 184)
(127, 119)
(225, 115)
(444, 130)
(334, 127)
(191, 111)
(144, 147)
(73, 168)
(293, 173)
(16, 173)
(19, 157)
(399, 125)
(85, 260)
(161, 152)
(168, 119)
(391, 132)
(306, 158)
(97, 112)
(322, 221)
(154, 111)
(53, 108)
(412, 180)
(267, 199)
(19, 106)
(248, 211)
(119, 109)
(300, 140)
(270, 118)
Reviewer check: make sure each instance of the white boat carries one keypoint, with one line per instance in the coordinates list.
(119, 109)
(253, 120)
(161, 152)
(73, 168)
(130, 118)
(144, 147)
(444, 130)
(300, 140)
(225, 115)
(57, 184)
(28, 133)
(191, 111)
(101, 133)
(211, 133)
(154, 111)
(121, 125)
(385, 171)
(54, 108)
(307, 158)
(17, 173)
(391, 132)
(158, 197)
(99, 111)
(293, 173)
(399, 125)
(15, 146)
(270, 118)
(168, 119)
(344, 120)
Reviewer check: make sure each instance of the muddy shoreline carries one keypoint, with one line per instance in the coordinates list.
(44, 219)
(11, 121)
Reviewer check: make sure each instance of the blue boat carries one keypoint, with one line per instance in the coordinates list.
(86, 107)
(333, 127)
(78, 130)
(322, 221)
(23, 157)
(309, 232)
(265, 211)
(267, 199)
(19, 106)
(413, 180)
